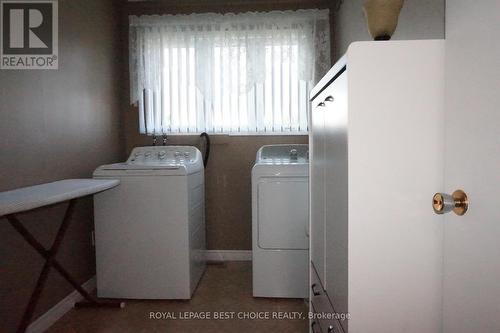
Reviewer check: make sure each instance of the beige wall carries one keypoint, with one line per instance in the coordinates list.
(419, 19)
(57, 124)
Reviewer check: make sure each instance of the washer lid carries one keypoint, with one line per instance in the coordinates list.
(126, 170)
(156, 160)
(283, 154)
(150, 166)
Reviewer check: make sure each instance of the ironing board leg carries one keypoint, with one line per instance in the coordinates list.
(50, 261)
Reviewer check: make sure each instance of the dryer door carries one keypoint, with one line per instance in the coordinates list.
(283, 212)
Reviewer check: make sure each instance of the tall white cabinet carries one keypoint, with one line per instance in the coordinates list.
(376, 145)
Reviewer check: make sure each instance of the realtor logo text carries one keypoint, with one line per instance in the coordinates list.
(29, 37)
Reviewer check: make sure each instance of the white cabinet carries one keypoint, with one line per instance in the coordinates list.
(376, 160)
(317, 192)
(336, 189)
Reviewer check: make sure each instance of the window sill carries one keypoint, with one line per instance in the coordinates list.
(236, 134)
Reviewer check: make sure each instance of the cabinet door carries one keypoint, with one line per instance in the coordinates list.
(395, 151)
(336, 186)
(317, 188)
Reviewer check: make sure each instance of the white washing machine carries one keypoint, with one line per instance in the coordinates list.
(150, 230)
(280, 215)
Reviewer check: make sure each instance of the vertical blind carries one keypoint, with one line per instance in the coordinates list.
(227, 73)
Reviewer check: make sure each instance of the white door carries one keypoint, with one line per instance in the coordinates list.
(472, 163)
(282, 224)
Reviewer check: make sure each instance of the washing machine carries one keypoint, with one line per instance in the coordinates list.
(280, 215)
(150, 230)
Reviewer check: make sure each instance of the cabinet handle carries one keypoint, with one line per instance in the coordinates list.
(329, 99)
(313, 325)
(315, 293)
(321, 104)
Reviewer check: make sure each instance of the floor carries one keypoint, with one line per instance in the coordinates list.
(224, 288)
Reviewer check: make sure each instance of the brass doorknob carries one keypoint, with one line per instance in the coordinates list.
(445, 203)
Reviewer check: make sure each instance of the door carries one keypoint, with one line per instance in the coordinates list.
(283, 212)
(472, 163)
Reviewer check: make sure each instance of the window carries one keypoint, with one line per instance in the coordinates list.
(233, 73)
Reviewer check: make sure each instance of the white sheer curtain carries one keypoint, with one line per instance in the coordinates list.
(231, 73)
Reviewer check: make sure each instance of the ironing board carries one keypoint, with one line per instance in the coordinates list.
(32, 197)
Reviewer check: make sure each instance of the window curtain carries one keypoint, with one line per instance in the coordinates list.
(227, 73)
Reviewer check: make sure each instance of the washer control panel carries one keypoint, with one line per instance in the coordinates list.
(283, 154)
(160, 155)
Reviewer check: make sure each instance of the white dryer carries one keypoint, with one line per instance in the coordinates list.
(150, 230)
(280, 215)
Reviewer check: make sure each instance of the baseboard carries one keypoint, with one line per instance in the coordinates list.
(42, 323)
(228, 255)
(60, 309)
